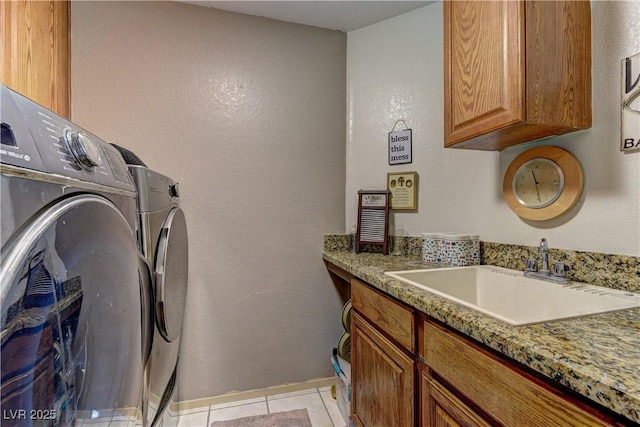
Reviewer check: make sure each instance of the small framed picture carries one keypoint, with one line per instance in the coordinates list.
(404, 190)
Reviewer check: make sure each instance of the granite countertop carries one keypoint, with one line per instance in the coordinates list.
(597, 356)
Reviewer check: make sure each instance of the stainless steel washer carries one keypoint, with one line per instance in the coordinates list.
(163, 241)
(75, 290)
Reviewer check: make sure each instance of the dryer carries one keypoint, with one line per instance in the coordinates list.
(163, 241)
(74, 288)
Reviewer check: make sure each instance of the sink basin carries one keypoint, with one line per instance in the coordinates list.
(511, 297)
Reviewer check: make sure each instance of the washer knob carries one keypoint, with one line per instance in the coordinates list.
(85, 151)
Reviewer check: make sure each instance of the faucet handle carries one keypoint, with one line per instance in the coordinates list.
(560, 269)
(530, 264)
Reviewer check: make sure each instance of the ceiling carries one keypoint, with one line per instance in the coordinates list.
(332, 14)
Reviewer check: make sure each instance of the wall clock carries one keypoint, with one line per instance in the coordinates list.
(542, 183)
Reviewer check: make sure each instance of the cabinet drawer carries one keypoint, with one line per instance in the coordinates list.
(510, 396)
(390, 316)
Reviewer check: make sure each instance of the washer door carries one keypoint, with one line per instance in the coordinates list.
(72, 291)
(171, 275)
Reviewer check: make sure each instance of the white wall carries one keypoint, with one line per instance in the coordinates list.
(248, 114)
(395, 71)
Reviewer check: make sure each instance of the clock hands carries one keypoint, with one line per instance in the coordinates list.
(536, 182)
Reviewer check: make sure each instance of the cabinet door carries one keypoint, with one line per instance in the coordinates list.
(382, 379)
(440, 408)
(483, 67)
(35, 46)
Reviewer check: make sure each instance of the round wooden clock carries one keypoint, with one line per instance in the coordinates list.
(543, 183)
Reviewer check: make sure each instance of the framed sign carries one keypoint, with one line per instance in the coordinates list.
(400, 147)
(630, 104)
(403, 187)
(373, 219)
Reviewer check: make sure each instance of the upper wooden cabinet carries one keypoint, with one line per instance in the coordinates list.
(515, 71)
(35, 58)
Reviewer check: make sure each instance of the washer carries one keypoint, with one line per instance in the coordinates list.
(163, 241)
(75, 292)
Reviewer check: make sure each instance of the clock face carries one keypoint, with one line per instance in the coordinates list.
(538, 183)
(542, 183)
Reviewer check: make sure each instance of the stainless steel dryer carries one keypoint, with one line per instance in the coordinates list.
(163, 241)
(75, 291)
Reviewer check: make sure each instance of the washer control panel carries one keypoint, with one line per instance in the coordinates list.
(38, 139)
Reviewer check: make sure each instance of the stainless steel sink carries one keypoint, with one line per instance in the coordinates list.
(510, 296)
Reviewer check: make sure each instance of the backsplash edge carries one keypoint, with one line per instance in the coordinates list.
(620, 272)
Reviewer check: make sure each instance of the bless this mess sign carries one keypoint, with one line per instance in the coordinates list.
(400, 147)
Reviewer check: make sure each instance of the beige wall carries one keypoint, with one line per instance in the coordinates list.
(395, 70)
(248, 114)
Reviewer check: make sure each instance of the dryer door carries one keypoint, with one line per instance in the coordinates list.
(72, 324)
(171, 275)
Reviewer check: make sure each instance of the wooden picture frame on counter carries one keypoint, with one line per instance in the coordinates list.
(403, 187)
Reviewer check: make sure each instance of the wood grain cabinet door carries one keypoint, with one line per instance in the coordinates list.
(383, 379)
(515, 71)
(35, 58)
(484, 67)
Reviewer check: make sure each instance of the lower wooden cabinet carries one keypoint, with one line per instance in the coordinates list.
(409, 370)
(382, 375)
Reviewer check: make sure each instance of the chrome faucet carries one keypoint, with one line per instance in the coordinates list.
(544, 255)
(559, 273)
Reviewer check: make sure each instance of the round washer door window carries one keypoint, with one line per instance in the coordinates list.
(71, 318)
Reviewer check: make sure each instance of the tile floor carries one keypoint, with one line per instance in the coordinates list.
(322, 408)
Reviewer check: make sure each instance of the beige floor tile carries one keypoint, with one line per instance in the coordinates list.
(198, 419)
(332, 407)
